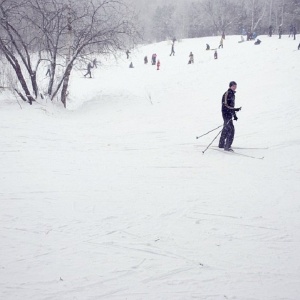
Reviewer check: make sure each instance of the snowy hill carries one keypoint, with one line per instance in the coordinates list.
(113, 198)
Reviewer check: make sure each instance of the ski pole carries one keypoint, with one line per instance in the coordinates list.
(198, 137)
(216, 136)
(212, 141)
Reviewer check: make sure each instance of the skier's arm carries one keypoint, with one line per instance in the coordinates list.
(225, 102)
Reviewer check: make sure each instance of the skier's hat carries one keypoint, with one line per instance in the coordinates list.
(231, 83)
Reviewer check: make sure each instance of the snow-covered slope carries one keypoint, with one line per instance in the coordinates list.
(113, 198)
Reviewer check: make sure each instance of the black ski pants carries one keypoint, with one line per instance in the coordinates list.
(227, 134)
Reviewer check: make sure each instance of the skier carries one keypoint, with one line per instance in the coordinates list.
(216, 55)
(191, 56)
(280, 31)
(172, 49)
(89, 67)
(291, 30)
(153, 59)
(145, 60)
(221, 43)
(299, 46)
(228, 111)
(48, 71)
(207, 47)
(270, 30)
(294, 32)
(127, 53)
(94, 63)
(158, 65)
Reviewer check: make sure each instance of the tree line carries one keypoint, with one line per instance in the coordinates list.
(191, 18)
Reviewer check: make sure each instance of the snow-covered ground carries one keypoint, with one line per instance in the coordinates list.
(113, 198)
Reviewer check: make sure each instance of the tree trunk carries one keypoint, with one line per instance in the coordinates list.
(64, 91)
(52, 76)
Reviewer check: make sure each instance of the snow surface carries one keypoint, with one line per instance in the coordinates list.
(113, 198)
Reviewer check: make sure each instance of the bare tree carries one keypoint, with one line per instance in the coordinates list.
(17, 44)
(257, 9)
(222, 13)
(65, 33)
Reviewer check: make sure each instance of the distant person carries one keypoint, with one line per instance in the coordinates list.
(153, 59)
(291, 30)
(280, 31)
(191, 60)
(299, 46)
(294, 32)
(89, 67)
(131, 65)
(258, 41)
(207, 47)
(253, 35)
(172, 50)
(127, 53)
(216, 55)
(158, 65)
(248, 35)
(270, 30)
(145, 60)
(221, 43)
(48, 71)
(242, 39)
(95, 63)
(228, 112)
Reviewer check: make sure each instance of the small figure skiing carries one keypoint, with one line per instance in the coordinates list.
(94, 63)
(145, 60)
(172, 48)
(153, 59)
(158, 65)
(48, 71)
(89, 67)
(191, 60)
(127, 53)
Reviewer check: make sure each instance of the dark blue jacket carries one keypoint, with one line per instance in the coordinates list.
(228, 101)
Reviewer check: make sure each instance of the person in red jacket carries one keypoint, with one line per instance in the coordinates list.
(158, 64)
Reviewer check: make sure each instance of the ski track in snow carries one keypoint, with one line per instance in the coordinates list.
(113, 198)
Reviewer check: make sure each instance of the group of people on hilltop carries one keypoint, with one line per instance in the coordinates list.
(250, 36)
(292, 31)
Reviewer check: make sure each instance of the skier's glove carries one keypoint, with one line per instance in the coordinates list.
(235, 118)
(237, 109)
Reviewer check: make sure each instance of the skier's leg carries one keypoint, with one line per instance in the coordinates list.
(230, 135)
(224, 133)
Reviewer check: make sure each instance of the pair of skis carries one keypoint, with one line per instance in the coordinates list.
(238, 152)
